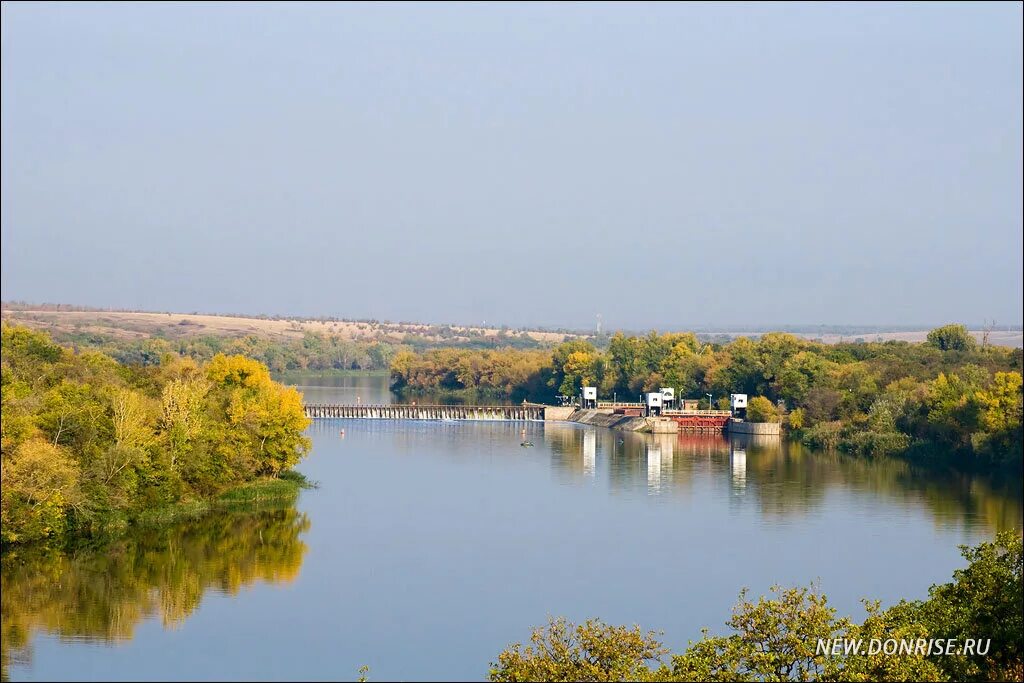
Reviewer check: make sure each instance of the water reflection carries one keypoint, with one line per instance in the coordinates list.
(738, 466)
(780, 478)
(102, 595)
(589, 452)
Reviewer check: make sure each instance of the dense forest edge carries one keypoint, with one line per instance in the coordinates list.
(90, 445)
(777, 637)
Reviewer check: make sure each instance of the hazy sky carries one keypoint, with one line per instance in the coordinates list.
(663, 165)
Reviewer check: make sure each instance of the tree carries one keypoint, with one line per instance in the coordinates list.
(984, 600)
(787, 635)
(1001, 404)
(270, 417)
(39, 484)
(951, 338)
(775, 640)
(952, 410)
(181, 415)
(684, 368)
(133, 419)
(578, 371)
(88, 443)
(760, 409)
(592, 651)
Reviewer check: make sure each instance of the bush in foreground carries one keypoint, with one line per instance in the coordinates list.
(776, 638)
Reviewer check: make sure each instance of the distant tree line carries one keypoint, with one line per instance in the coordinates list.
(313, 352)
(872, 398)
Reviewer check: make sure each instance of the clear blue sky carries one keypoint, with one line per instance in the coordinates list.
(519, 164)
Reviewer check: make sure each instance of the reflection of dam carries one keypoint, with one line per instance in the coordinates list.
(768, 442)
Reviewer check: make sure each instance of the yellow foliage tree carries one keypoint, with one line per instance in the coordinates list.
(1001, 404)
(38, 482)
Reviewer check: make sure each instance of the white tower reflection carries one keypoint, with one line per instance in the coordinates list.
(738, 467)
(653, 468)
(589, 452)
(667, 442)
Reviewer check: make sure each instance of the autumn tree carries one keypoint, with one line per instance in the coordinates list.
(760, 409)
(87, 442)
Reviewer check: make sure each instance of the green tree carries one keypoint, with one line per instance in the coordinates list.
(984, 600)
(951, 338)
(775, 640)
(592, 651)
(785, 637)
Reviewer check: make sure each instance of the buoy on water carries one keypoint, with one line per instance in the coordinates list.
(342, 433)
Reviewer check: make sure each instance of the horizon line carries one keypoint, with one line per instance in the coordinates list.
(805, 328)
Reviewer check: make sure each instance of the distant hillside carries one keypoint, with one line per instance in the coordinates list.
(64, 319)
(59, 321)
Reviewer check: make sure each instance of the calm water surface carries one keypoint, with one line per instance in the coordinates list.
(430, 546)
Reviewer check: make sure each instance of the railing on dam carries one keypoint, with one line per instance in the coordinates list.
(697, 413)
(397, 411)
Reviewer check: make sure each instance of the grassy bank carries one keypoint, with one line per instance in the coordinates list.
(267, 491)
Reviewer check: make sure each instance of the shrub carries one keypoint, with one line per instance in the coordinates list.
(876, 443)
(824, 435)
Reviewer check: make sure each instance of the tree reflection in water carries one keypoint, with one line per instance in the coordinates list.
(101, 595)
(780, 477)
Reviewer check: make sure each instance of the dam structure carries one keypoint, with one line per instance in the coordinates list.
(411, 411)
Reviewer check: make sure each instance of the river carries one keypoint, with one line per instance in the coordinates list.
(430, 546)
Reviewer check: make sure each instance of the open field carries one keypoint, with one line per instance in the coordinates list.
(128, 325)
(1011, 338)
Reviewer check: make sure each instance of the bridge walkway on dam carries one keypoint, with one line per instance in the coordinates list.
(398, 411)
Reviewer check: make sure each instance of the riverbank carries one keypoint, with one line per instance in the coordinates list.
(90, 443)
(283, 489)
(261, 494)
